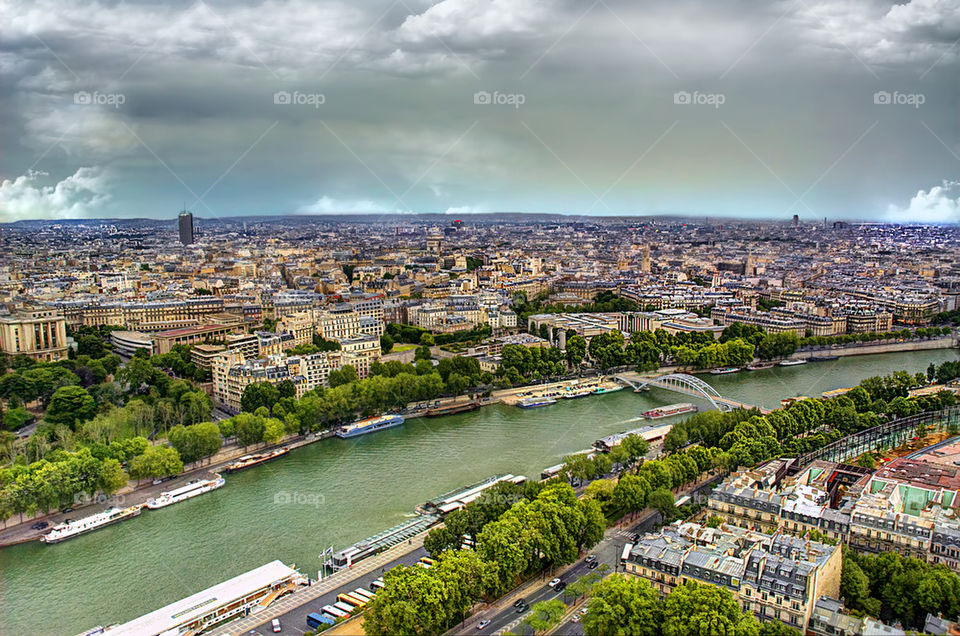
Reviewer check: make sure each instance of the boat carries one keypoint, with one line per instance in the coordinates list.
(791, 363)
(669, 411)
(194, 488)
(725, 370)
(760, 366)
(69, 529)
(247, 461)
(642, 389)
(574, 392)
(453, 409)
(823, 358)
(370, 425)
(600, 390)
(534, 402)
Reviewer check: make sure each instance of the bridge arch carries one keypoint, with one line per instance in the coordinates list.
(684, 383)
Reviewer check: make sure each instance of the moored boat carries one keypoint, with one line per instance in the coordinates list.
(823, 358)
(183, 493)
(70, 529)
(725, 370)
(256, 459)
(600, 389)
(791, 363)
(760, 366)
(453, 409)
(369, 425)
(534, 402)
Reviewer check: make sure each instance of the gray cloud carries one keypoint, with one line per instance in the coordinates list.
(398, 129)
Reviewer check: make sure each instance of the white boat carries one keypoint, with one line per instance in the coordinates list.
(791, 363)
(70, 529)
(183, 493)
(534, 402)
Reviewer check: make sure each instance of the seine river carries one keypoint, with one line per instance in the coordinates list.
(336, 492)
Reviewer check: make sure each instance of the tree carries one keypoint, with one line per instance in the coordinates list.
(16, 418)
(778, 628)
(662, 501)
(156, 461)
(248, 429)
(111, 477)
(195, 442)
(69, 406)
(546, 614)
(273, 430)
(286, 389)
(576, 350)
(693, 609)
(386, 343)
(344, 375)
(623, 606)
(259, 394)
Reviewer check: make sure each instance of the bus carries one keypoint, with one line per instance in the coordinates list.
(364, 593)
(334, 611)
(347, 608)
(379, 584)
(352, 599)
(315, 620)
(626, 554)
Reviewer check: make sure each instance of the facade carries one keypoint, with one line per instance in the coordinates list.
(360, 350)
(40, 334)
(164, 341)
(128, 342)
(299, 325)
(775, 576)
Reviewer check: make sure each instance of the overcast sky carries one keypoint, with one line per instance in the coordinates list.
(832, 108)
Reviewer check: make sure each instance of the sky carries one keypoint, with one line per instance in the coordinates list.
(835, 108)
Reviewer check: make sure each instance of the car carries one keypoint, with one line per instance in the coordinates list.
(519, 602)
(275, 624)
(591, 558)
(635, 537)
(69, 509)
(575, 619)
(40, 525)
(554, 582)
(523, 608)
(559, 587)
(583, 611)
(483, 623)
(593, 565)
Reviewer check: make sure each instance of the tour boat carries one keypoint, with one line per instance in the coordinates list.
(183, 493)
(70, 529)
(669, 411)
(534, 402)
(370, 425)
(791, 363)
(248, 461)
(725, 370)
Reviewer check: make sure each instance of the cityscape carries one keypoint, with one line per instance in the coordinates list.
(519, 318)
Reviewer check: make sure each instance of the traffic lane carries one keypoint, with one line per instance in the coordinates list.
(297, 618)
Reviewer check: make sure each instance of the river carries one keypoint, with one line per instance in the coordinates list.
(336, 492)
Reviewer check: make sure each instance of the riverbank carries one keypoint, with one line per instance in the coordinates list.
(866, 348)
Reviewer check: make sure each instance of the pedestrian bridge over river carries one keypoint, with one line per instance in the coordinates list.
(689, 385)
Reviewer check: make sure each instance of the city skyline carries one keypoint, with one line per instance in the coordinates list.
(827, 110)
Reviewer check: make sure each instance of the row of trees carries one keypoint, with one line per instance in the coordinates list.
(622, 605)
(531, 535)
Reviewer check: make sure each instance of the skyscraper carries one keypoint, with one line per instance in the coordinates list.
(186, 227)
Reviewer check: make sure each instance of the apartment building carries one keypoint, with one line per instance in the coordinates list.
(300, 325)
(360, 350)
(40, 334)
(775, 576)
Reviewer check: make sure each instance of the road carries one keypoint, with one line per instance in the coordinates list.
(504, 617)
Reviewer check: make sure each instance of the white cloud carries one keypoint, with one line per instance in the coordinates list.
(80, 195)
(329, 205)
(940, 204)
(464, 210)
(475, 20)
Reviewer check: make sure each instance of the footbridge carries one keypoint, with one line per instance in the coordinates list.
(689, 385)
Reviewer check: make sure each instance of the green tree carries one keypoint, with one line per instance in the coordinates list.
(111, 477)
(69, 406)
(386, 343)
(156, 461)
(344, 375)
(662, 501)
(778, 628)
(546, 614)
(273, 430)
(576, 350)
(259, 394)
(623, 606)
(693, 609)
(248, 429)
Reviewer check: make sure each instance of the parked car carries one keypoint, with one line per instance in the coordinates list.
(275, 624)
(575, 619)
(591, 558)
(559, 587)
(519, 602)
(554, 582)
(483, 624)
(40, 525)
(593, 565)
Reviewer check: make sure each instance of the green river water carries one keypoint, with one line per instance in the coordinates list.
(348, 490)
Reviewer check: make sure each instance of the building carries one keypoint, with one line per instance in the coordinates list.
(220, 603)
(300, 325)
(185, 221)
(126, 343)
(202, 355)
(164, 341)
(774, 576)
(40, 334)
(360, 351)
